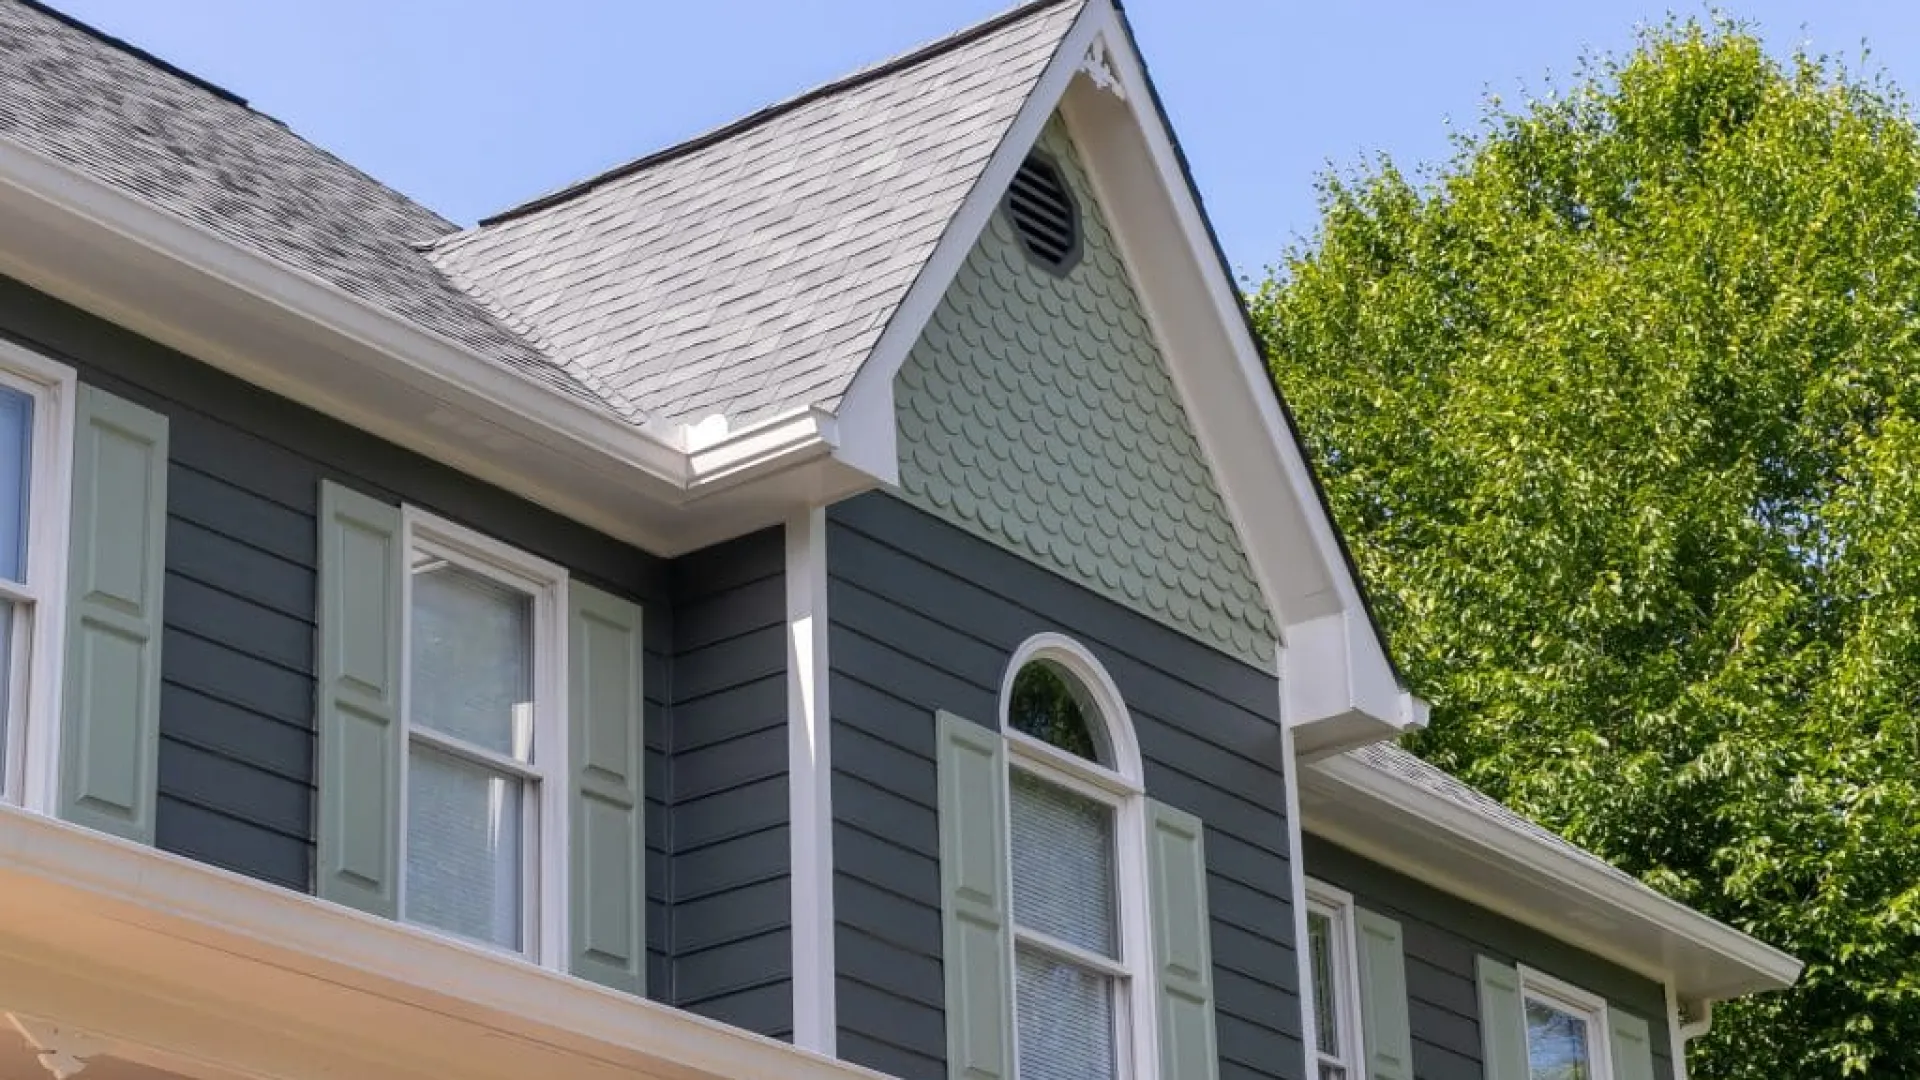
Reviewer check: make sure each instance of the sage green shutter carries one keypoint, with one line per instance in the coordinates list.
(110, 716)
(1503, 1021)
(362, 570)
(1182, 950)
(1383, 997)
(1631, 1046)
(976, 900)
(607, 747)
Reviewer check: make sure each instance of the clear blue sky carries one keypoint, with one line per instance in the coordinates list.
(471, 106)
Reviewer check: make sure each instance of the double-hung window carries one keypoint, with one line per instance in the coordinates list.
(1332, 957)
(1566, 1030)
(484, 763)
(36, 421)
(1079, 944)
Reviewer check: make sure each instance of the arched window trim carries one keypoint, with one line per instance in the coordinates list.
(1121, 787)
(1124, 776)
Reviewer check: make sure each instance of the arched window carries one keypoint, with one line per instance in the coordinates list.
(1082, 997)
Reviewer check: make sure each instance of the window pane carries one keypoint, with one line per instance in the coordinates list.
(1063, 864)
(1326, 997)
(472, 652)
(464, 848)
(1064, 1017)
(1556, 1044)
(1049, 704)
(1330, 1071)
(16, 480)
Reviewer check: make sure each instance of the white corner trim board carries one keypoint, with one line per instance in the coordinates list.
(165, 958)
(810, 786)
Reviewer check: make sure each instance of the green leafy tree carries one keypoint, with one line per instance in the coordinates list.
(1620, 411)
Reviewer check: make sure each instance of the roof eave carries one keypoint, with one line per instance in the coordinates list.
(1702, 958)
(174, 281)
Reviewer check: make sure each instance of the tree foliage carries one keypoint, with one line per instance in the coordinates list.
(1620, 412)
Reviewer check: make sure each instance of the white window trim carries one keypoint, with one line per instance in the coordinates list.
(1558, 994)
(1338, 906)
(30, 758)
(1136, 1041)
(545, 873)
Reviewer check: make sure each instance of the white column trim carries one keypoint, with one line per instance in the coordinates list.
(1297, 870)
(810, 785)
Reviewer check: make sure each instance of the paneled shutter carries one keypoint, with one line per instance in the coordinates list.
(1182, 951)
(975, 900)
(110, 716)
(362, 569)
(607, 747)
(1383, 997)
(1503, 1021)
(1631, 1046)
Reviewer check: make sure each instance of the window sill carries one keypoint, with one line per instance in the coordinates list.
(202, 972)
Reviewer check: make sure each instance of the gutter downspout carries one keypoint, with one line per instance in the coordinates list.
(1680, 1033)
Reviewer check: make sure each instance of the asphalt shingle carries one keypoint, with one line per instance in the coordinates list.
(750, 272)
(200, 153)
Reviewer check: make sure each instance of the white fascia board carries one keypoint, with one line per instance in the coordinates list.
(306, 297)
(1338, 690)
(1762, 965)
(1343, 686)
(679, 474)
(235, 956)
(865, 412)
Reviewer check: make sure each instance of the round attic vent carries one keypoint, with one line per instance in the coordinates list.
(1044, 215)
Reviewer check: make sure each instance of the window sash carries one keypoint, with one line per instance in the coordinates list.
(1343, 961)
(543, 846)
(29, 745)
(1565, 998)
(1119, 999)
(1089, 780)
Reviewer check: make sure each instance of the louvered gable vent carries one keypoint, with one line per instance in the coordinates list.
(1044, 215)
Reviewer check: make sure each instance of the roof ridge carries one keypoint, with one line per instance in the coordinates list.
(900, 62)
(143, 55)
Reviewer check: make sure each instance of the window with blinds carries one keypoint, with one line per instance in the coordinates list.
(1069, 815)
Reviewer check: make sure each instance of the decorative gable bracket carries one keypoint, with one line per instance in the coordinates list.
(1097, 66)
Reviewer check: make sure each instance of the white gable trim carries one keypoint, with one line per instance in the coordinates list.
(1348, 692)
(865, 413)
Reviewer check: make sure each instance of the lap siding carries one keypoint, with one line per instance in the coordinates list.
(728, 952)
(925, 617)
(236, 766)
(1443, 935)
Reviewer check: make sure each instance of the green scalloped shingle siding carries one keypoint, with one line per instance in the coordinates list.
(1035, 411)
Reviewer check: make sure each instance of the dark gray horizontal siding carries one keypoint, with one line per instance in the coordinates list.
(925, 617)
(237, 697)
(1443, 936)
(729, 949)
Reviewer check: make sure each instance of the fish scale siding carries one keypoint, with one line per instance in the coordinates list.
(1036, 411)
(925, 616)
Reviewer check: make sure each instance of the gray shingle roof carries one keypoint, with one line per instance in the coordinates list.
(751, 271)
(1392, 760)
(200, 153)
